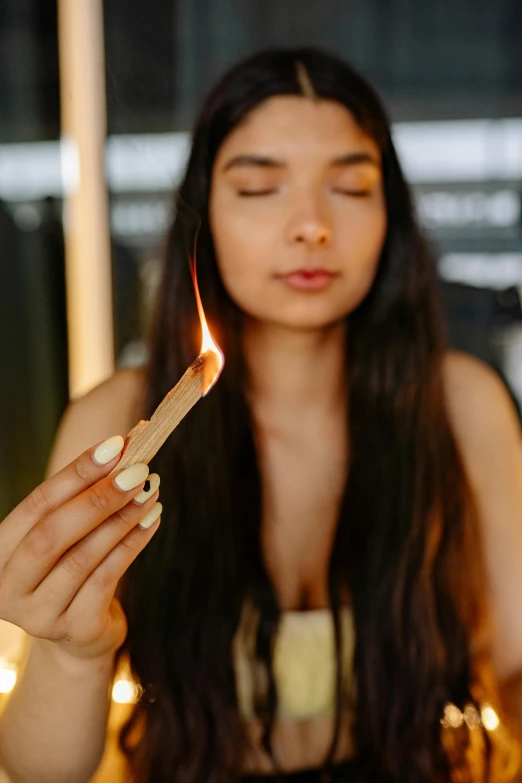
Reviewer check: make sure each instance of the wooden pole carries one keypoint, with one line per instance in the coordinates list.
(87, 236)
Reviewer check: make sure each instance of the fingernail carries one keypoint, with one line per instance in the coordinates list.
(131, 477)
(107, 450)
(151, 516)
(153, 482)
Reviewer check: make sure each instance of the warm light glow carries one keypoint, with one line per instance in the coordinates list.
(490, 718)
(471, 716)
(7, 679)
(207, 343)
(453, 717)
(125, 692)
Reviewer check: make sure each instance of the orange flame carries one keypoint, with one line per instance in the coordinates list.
(213, 364)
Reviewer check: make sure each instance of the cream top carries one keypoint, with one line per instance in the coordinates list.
(304, 664)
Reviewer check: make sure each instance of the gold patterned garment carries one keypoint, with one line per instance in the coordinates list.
(480, 743)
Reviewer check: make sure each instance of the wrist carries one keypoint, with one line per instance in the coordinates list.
(76, 661)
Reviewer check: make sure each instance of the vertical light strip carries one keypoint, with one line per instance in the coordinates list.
(88, 259)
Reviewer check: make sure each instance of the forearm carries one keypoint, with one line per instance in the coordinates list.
(54, 725)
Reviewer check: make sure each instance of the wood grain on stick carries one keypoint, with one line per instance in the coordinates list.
(147, 437)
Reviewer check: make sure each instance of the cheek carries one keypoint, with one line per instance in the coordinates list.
(242, 247)
(371, 238)
(364, 241)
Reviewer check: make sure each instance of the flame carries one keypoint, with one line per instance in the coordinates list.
(213, 363)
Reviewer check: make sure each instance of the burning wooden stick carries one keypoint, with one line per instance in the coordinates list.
(147, 437)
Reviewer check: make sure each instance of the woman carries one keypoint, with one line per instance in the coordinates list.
(339, 556)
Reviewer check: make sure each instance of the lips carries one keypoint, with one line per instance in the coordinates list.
(308, 279)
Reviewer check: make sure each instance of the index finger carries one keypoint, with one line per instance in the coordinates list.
(75, 478)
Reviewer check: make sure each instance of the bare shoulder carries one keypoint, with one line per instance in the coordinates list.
(474, 389)
(112, 408)
(487, 431)
(480, 408)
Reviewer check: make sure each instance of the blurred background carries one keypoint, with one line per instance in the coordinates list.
(111, 89)
(450, 74)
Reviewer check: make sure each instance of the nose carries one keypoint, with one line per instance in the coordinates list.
(310, 226)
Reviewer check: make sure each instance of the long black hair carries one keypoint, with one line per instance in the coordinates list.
(405, 547)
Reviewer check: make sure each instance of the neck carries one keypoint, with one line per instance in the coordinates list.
(293, 372)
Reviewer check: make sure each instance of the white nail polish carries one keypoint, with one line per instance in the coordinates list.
(131, 477)
(108, 450)
(151, 516)
(145, 494)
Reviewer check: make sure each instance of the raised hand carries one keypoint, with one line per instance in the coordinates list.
(65, 547)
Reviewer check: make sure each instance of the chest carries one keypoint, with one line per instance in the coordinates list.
(303, 473)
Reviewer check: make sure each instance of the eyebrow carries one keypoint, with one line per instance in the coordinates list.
(355, 158)
(265, 162)
(262, 161)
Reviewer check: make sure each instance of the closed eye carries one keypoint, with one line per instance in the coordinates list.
(358, 193)
(265, 192)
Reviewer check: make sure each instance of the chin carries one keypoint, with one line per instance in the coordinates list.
(313, 327)
(304, 324)
(311, 314)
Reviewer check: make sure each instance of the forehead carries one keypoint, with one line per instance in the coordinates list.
(293, 126)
